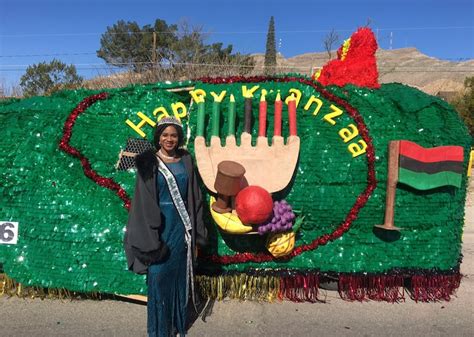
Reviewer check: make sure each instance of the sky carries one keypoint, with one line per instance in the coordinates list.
(33, 31)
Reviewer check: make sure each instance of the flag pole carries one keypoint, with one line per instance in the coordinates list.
(392, 179)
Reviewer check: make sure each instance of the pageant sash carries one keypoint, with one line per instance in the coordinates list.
(183, 213)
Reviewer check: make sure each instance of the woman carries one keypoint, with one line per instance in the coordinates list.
(164, 226)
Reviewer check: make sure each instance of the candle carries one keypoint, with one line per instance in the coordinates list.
(262, 116)
(216, 107)
(248, 115)
(292, 115)
(231, 129)
(277, 116)
(200, 118)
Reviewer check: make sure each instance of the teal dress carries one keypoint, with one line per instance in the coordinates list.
(167, 280)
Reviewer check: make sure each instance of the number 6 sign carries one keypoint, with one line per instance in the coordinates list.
(8, 232)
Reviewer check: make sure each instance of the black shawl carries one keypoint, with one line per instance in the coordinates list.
(142, 240)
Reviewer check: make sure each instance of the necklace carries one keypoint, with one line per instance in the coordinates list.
(165, 156)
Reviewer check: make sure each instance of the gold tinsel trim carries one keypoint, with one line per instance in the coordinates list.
(11, 288)
(240, 286)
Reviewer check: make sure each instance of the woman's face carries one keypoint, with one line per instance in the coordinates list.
(169, 139)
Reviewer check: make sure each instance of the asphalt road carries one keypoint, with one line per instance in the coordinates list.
(333, 317)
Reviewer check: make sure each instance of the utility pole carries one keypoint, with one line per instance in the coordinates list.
(153, 55)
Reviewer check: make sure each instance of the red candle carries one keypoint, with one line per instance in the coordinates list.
(278, 108)
(292, 115)
(262, 116)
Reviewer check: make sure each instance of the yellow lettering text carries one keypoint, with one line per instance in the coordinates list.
(347, 134)
(179, 110)
(336, 113)
(296, 93)
(138, 127)
(220, 97)
(312, 100)
(248, 93)
(163, 114)
(198, 95)
(356, 149)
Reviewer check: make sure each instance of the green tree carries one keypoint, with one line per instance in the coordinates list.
(270, 51)
(236, 63)
(193, 57)
(464, 104)
(191, 52)
(178, 49)
(45, 78)
(189, 47)
(127, 45)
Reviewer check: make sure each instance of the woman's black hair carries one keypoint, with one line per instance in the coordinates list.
(159, 130)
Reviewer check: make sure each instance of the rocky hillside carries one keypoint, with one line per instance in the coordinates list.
(406, 65)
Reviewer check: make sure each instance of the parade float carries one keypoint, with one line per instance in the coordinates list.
(333, 178)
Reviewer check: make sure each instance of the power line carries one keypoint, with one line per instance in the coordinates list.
(465, 68)
(322, 55)
(400, 69)
(38, 55)
(315, 57)
(242, 32)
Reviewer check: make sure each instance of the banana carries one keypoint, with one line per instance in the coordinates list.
(281, 244)
(228, 222)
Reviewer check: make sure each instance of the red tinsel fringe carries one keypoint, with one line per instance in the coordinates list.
(427, 288)
(390, 288)
(299, 288)
(375, 287)
(361, 200)
(86, 166)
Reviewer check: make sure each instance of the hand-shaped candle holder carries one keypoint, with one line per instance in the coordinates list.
(269, 166)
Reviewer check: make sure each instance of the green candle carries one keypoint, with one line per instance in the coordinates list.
(216, 106)
(200, 118)
(231, 131)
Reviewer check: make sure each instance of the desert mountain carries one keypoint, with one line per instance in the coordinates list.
(406, 65)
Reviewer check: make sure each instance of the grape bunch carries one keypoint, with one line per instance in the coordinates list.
(281, 221)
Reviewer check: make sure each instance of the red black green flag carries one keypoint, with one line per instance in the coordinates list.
(425, 169)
